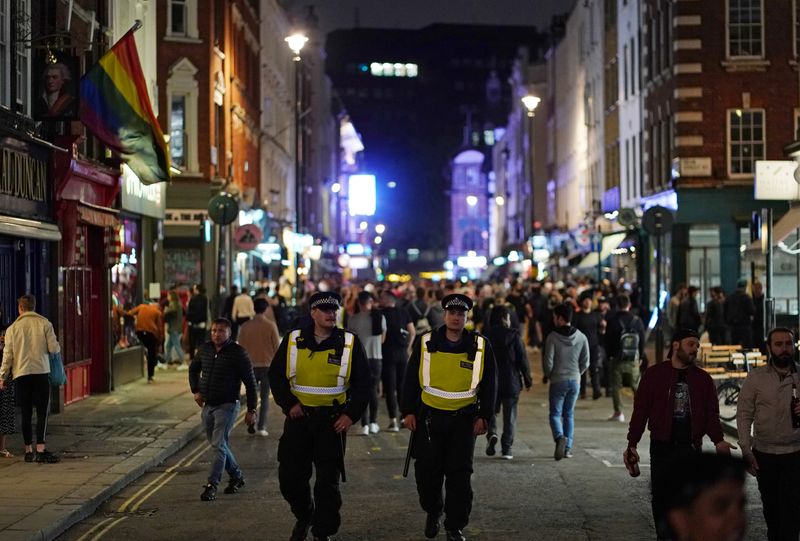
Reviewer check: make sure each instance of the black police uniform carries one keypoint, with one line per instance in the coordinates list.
(444, 442)
(311, 439)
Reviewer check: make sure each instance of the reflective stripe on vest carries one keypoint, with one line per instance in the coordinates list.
(307, 393)
(434, 396)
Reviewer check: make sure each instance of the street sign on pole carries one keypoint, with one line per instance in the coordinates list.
(658, 221)
(223, 209)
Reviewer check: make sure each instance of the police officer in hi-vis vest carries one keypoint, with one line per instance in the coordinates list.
(448, 398)
(320, 379)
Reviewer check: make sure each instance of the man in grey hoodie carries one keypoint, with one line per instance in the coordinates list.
(566, 357)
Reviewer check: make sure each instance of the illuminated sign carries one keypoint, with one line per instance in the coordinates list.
(144, 199)
(392, 69)
(362, 197)
(472, 262)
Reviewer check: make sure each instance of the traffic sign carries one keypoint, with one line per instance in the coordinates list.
(657, 220)
(247, 237)
(223, 209)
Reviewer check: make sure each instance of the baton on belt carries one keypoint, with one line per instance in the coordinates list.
(408, 453)
(341, 443)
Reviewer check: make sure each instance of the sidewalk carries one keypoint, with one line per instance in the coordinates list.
(105, 442)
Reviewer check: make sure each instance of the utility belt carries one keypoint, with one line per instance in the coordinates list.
(471, 410)
(321, 411)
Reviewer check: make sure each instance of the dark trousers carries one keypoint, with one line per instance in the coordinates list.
(509, 407)
(306, 442)
(592, 375)
(779, 485)
(33, 391)
(150, 343)
(197, 337)
(443, 448)
(662, 457)
(743, 336)
(374, 380)
(392, 374)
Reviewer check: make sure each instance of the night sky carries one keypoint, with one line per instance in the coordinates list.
(334, 14)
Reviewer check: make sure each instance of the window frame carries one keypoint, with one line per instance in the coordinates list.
(795, 32)
(729, 142)
(22, 78)
(192, 31)
(728, 54)
(182, 81)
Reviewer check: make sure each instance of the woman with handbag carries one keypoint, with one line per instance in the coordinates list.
(8, 414)
(29, 341)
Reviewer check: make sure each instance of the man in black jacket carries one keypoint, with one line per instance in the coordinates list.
(215, 376)
(625, 367)
(739, 315)
(321, 380)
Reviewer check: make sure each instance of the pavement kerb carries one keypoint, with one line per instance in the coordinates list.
(136, 468)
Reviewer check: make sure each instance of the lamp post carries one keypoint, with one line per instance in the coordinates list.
(531, 102)
(296, 41)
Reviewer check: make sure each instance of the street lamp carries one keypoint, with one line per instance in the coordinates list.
(296, 41)
(530, 102)
(380, 228)
(472, 200)
(500, 200)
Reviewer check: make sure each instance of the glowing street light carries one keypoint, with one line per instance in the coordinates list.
(296, 42)
(500, 200)
(391, 184)
(363, 226)
(336, 187)
(380, 228)
(378, 239)
(472, 200)
(531, 102)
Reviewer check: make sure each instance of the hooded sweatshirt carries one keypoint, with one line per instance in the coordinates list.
(566, 354)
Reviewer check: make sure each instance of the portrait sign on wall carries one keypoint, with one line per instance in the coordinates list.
(55, 90)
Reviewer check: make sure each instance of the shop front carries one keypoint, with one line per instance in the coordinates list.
(27, 228)
(137, 270)
(85, 194)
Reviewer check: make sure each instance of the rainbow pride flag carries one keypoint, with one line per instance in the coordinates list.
(116, 109)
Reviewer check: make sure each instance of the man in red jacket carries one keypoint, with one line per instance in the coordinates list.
(679, 400)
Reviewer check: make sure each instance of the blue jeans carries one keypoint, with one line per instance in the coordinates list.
(509, 407)
(219, 421)
(174, 344)
(563, 395)
(262, 378)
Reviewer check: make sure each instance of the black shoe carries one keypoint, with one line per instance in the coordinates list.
(432, 525)
(596, 395)
(30, 457)
(490, 446)
(300, 531)
(234, 485)
(210, 493)
(455, 535)
(251, 429)
(46, 457)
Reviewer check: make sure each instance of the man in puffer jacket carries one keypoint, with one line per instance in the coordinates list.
(566, 357)
(512, 370)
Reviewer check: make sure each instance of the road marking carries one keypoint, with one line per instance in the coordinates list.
(108, 528)
(156, 489)
(101, 526)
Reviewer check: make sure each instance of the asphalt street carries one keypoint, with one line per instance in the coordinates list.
(531, 497)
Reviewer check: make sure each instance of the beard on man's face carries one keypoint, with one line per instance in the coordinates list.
(783, 360)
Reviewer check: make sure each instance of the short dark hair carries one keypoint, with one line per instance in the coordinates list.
(779, 329)
(698, 472)
(623, 301)
(260, 305)
(497, 315)
(364, 296)
(564, 311)
(222, 321)
(28, 302)
(200, 288)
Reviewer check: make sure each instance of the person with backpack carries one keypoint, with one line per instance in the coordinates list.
(399, 334)
(418, 311)
(370, 327)
(625, 350)
(512, 371)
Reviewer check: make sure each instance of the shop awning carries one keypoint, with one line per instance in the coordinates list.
(610, 243)
(781, 229)
(97, 215)
(32, 229)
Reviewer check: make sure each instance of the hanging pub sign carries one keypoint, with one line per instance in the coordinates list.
(55, 86)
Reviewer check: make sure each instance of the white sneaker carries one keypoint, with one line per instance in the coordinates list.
(393, 426)
(262, 432)
(619, 417)
(374, 428)
(161, 366)
(507, 457)
(183, 367)
(365, 430)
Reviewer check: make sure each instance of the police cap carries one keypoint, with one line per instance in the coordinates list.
(325, 300)
(457, 301)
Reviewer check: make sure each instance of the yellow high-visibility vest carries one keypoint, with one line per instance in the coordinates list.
(450, 381)
(317, 378)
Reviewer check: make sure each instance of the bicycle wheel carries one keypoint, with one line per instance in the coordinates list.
(728, 396)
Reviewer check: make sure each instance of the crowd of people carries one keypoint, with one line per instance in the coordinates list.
(451, 359)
